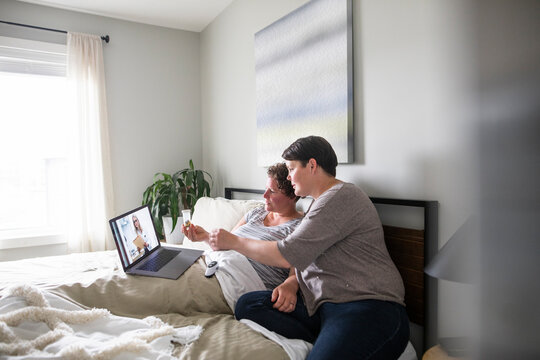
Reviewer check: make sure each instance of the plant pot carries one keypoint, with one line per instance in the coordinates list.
(176, 237)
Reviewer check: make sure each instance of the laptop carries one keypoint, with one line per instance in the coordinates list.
(141, 252)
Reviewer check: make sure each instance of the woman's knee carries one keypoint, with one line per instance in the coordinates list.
(252, 303)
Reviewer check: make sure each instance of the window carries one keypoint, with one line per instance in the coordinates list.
(35, 142)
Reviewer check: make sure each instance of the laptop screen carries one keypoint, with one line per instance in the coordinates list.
(134, 234)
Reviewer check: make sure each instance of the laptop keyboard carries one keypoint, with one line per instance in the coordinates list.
(159, 261)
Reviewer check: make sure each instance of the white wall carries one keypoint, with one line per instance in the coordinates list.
(153, 94)
(228, 91)
(413, 90)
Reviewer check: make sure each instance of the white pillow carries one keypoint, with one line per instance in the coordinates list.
(218, 213)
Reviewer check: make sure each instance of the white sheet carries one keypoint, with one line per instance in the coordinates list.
(235, 274)
(236, 277)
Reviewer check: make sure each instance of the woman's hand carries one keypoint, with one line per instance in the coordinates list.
(284, 296)
(195, 233)
(220, 239)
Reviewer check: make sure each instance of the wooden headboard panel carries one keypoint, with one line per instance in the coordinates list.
(406, 248)
(411, 250)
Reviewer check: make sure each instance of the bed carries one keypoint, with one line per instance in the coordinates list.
(83, 305)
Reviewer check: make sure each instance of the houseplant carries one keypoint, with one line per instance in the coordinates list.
(169, 194)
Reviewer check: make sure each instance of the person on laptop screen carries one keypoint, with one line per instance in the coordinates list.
(137, 240)
(142, 241)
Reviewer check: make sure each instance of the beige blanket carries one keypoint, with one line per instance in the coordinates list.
(97, 280)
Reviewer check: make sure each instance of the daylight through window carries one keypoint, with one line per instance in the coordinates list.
(36, 132)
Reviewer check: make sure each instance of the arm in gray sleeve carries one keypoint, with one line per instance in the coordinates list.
(318, 231)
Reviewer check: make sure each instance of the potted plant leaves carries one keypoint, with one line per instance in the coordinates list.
(170, 193)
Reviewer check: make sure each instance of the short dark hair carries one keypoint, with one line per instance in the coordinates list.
(313, 147)
(279, 172)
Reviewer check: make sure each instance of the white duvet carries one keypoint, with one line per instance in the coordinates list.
(35, 324)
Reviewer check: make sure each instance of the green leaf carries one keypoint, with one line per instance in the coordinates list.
(189, 178)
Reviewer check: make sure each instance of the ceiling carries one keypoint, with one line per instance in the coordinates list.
(191, 15)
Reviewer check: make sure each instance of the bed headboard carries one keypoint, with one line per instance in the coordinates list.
(411, 250)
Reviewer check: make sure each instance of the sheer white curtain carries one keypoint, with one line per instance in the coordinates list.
(91, 192)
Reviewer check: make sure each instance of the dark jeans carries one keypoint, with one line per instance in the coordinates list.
(365, 329)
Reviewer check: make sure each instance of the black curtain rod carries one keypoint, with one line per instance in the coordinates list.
(105, 38)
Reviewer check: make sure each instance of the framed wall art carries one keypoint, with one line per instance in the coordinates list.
(304, 80)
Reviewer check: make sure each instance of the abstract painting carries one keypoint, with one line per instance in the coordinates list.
(303, 65)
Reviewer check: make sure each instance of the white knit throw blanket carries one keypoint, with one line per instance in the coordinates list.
(58, 321)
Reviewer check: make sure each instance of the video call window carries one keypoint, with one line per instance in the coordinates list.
(137, 233)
